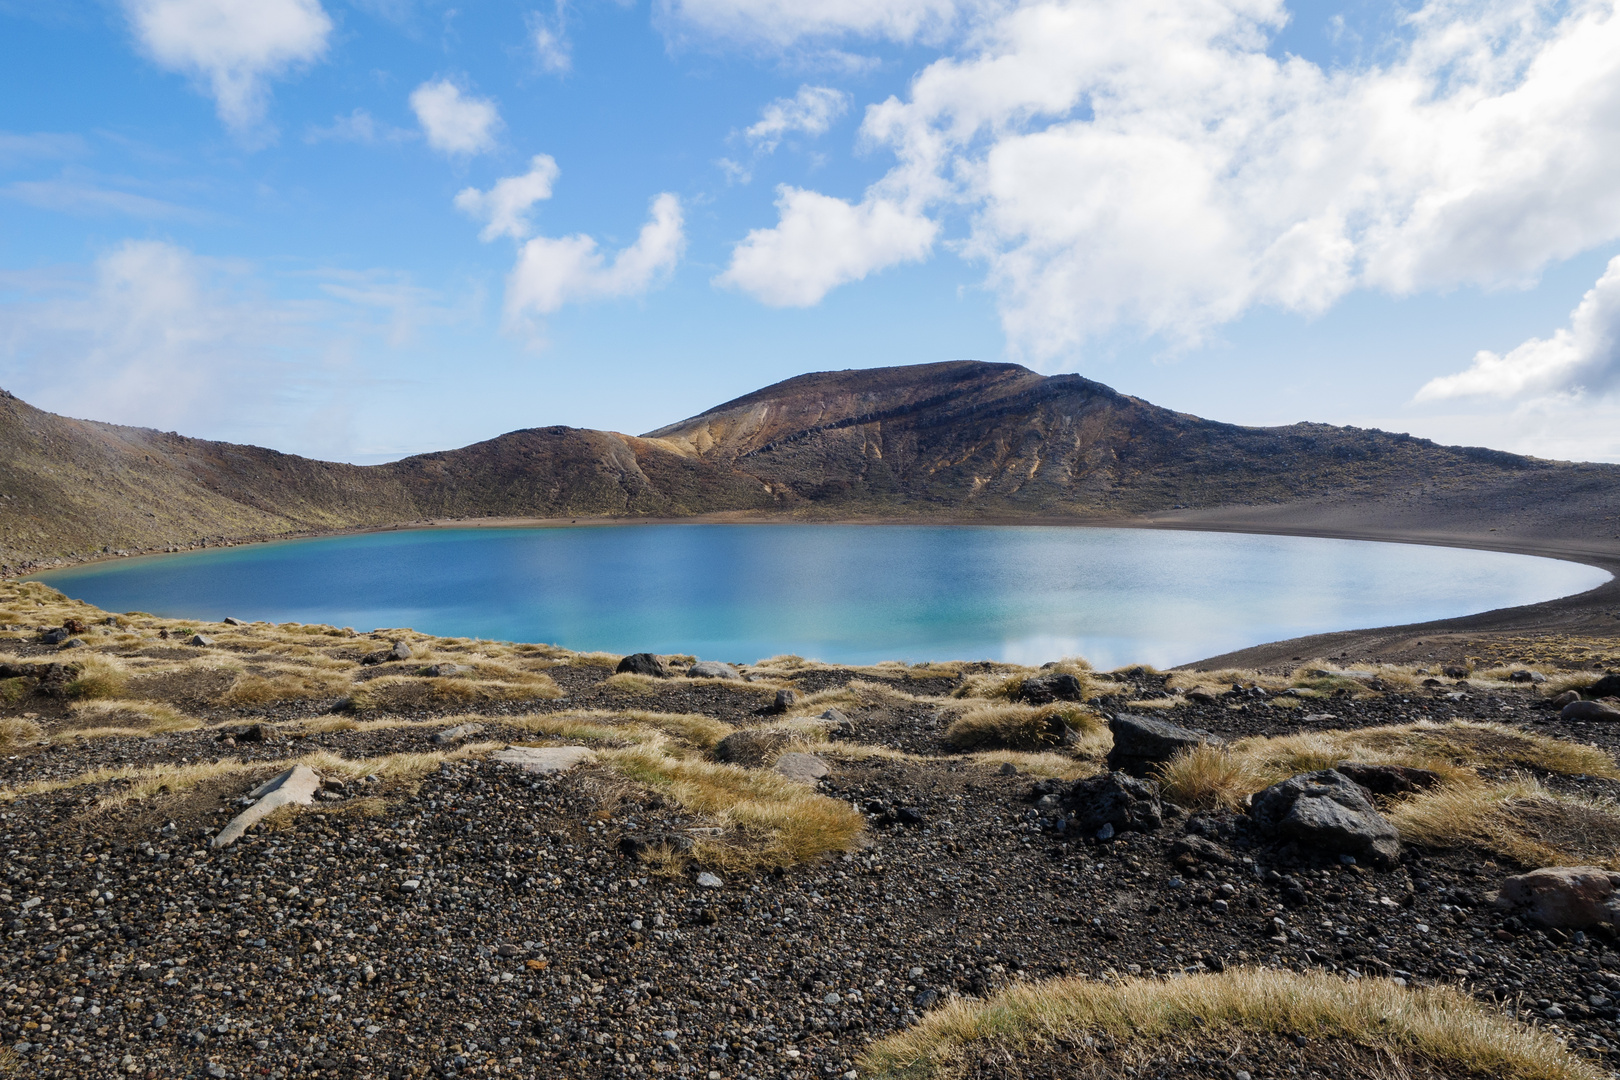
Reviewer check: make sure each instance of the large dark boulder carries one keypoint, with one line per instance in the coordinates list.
(1389, 780)
(1589, 710)
(1329, 812)
(1608, 686)
(643, 663)
(1116, 800)
(1045, 689)
(1142, 743)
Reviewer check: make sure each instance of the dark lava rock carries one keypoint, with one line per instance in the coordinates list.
(1140, 743)
(398, 651)
(1328, 811)
(55, 637)
(1589, 710)
(751, 748)
(1608, 686)
(643, 663)
(1117, 800)
(1203, 850)
(1524, 675)
(785, 700)
(1045, 689)
(1455, 671)
(1388, 779)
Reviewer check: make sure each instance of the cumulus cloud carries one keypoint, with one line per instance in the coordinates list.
(821, 242)
(1150, 165)
(811, 111)
(233, 47)
(505, 207)
(551, 272)
(1585, 355)
(455, 122)
(783, 22)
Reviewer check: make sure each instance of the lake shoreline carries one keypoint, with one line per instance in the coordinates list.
(1589, 613)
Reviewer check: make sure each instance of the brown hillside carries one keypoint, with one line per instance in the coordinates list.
(963, 439)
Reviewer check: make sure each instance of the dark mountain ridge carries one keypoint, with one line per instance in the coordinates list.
(959, 440)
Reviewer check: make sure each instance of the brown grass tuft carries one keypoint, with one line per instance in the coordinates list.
(98, 676)
(1209, 778)
(14, 732)
(1439, 1024)
(1021, 727)
(1520, 820)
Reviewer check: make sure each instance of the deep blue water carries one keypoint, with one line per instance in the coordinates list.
(841, 593)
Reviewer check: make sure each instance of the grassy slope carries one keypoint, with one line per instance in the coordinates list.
(964, 439)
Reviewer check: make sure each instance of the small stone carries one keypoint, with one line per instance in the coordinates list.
(543, 759)
(805, 768)
(785, 700)
(202, 641)
(1106, 832)
(1526, 676)
(400, 651)
(217, 1070)
(73, 643)
(832, 999)
(160, 1021)
(1008, 769)
(927, 998)
(1553, 1012)
(910, 815)
(455, 734)
(707, 880)
(446, 671)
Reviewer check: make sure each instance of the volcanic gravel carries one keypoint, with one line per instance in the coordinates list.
(485, 922)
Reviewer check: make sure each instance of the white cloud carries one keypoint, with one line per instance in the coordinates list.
(553, 272)
(811, 111)
(455, 123)
(1148, 165)
(551, 45)
(783, 22)
(821, 242)
(231, 45)
(505, 207)
(358, 126)
(41, 145)
(1584, 356)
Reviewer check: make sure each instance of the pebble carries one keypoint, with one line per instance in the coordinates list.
(707, 880)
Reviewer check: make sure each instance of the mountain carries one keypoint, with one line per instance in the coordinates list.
(963, 440)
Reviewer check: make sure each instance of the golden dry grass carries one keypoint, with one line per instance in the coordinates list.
(110, 718)
(15, 732)
(298, 685)
(778, 822)
(1518, 819)
(1438, 1023)
(98, 676)
(1211, 777)
(1021, 727)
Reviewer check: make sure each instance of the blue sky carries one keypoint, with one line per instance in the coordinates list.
(363, 229)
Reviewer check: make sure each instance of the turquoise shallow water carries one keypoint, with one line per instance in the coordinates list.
(841, 593)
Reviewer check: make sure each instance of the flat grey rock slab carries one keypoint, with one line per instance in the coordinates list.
(544, 759)
(804, 767)
(712, 669)
(297, 785)
(455, 734)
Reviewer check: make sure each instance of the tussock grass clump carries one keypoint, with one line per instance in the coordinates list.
(121, 717)
(528, 686)
(296, 685)
(780, 822)
(1519, 819)
(15, 732)
(1209, 778)
(1022, 727)
(1435, 1024)
(98, 676)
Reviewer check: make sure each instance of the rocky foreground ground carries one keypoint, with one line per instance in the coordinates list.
(675, 905)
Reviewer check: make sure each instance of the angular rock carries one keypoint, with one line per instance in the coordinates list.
(1328, 811)
(455, 734)
(1607, 686)
(643, 663)
(707, 880)
(543, 759)
(73, 643)
(751, 748)
(201, 640)
(1388, 779)
(806, 768)
(445, 671)
(1045, 689)
(712, 669)
(842, 726)
(233, 622)
(785, 700)
(1141, 743)
(1568, 697)
(1525, 675)
(297, 785)
(1455, 671)
(1203, 850)
(1115, 799)
(1565, 897)
(55, 636)
(400, 651)
(1589, 710)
